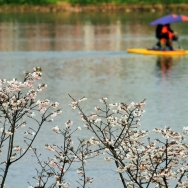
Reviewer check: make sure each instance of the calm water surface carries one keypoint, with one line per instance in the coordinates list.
(85, 55)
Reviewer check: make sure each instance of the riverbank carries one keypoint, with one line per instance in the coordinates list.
(67, 7)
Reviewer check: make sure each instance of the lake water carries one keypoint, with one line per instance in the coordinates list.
(84, 54)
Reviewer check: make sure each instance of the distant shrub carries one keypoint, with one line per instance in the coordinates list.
(30, 2)
(85, 2)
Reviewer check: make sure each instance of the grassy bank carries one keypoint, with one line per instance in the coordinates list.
(125, 2)
(91, 2)
(93, 5)
(28, 2)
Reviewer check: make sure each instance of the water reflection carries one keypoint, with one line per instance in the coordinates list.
(165, 64)
(84, 55)
(52, 37)
(78, 31)
(166, 67)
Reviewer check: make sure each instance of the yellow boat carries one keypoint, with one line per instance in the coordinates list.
(158, 52)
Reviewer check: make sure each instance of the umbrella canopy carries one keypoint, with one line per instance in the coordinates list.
(171, 18)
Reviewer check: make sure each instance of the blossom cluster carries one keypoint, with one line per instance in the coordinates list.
(18, 102)
(114, 130)
(67, 154)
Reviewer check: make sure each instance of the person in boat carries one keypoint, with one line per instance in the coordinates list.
(158, 35)
(165, 36)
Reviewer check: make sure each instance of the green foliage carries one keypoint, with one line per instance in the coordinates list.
(28, 2)
(91, 2)
(86, 2)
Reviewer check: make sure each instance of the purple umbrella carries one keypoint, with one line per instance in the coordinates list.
(171, 18)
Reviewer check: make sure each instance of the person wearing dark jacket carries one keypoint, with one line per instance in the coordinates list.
(165, 36)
